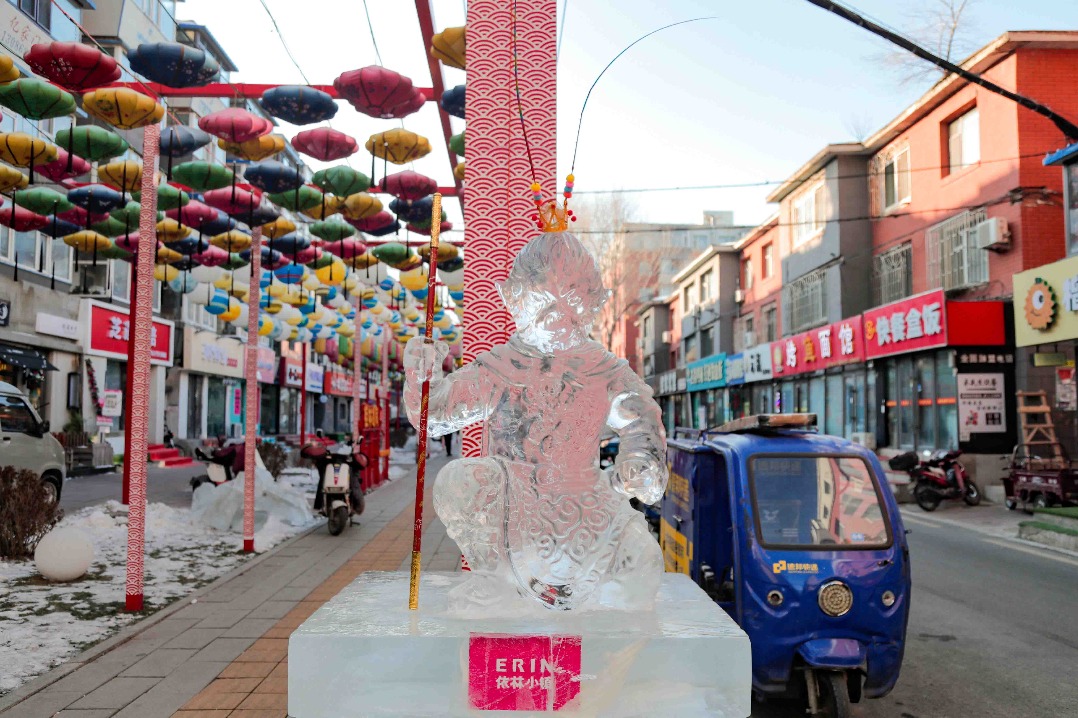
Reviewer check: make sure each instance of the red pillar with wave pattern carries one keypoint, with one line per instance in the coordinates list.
(498, 199)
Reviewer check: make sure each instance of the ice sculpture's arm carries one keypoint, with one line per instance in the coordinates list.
(640, 467)
(456, 401)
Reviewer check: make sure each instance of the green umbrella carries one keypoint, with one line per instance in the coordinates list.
(324, 261)
(129, 214)
(36, 99)
(341, 181)
(113, 227)
(168, 197)
(42, 200)
(308, 198)
(114, 252)
(391, 253)
(203, 176)
(332, 231)
(91, 142)
(235, 261)
(456, 144)
(425, 222)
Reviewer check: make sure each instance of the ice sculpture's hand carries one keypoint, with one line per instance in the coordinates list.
(637, 479)
(423, 358)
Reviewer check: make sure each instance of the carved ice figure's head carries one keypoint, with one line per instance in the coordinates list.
(554, 292)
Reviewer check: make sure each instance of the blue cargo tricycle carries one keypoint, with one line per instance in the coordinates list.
(797, 536)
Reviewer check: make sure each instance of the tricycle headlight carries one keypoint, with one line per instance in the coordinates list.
(888, 598)
(835, 598)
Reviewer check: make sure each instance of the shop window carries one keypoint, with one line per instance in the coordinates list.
(817, 398)
(804, 302)
(926, 402)
(116, 378)
(121, 280)
(194, 406)
(946, 406)
(267, 417)
(39, 10)
(954, 261)
(964, 141)
(854, 401)
(893, 274)
(707, 342)
(216, 406)
(833, 421)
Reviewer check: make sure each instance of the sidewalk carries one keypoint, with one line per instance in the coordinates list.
(225, 653)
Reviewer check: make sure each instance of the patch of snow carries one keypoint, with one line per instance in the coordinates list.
(397, 472)
(42, 624)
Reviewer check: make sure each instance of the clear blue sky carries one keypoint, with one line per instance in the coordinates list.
(746, 98)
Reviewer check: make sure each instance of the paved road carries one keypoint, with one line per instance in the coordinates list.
(993, 628)
(170, 486)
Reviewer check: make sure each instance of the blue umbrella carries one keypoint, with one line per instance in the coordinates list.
(453, 101)
(298, 104)
(289, 244)
(222, 224)
(180, 140)
(273, 177)
(188, 245)
(269, 256)
(174, 64)
(96, 198)
(390, 228)
(59, 228)
(412, 211)
(261, 215)
(289, 273)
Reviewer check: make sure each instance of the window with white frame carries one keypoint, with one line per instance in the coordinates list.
(769, 260)
(35, 252)
(807, 214)
(964, 141)
(771, 328)
(804, 302)
(196, 315)
(746, 274)
(893, 274)
(121, 280)
(896, 180)
(954, 261)
(707, 282)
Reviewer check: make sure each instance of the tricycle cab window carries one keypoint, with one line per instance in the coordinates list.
(813, 501)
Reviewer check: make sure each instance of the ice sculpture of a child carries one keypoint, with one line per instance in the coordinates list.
(537, 517)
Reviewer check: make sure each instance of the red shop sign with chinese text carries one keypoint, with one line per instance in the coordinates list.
(909, 325)
(522, 673)
(832, 345)
(338, 384)
(110, 330)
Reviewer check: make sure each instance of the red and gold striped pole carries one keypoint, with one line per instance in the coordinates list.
(421, 451)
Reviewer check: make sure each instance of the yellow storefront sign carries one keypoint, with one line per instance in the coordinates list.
(677, 549)
(1046, 303)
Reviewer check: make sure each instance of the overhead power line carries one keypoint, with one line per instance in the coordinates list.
(284, 44)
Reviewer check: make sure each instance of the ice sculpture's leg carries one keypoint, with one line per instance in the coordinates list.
(469, 497)
(637, 569)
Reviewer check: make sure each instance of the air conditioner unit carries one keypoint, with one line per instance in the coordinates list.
(749, 340)
(668, 337)
(91, 281)
(992, 234)
(739, 295)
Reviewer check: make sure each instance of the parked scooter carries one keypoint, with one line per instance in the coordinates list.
(941, 477)
(222, 464)
(340, 495)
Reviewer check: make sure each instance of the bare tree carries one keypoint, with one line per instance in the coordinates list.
(945, 27)
(631, 271)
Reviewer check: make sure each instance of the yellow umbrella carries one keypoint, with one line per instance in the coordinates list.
(449, 46)
(168, 256)
(398, 146)
(8, 71)
(332, 205)
(458, 171)
(254, 150)
(87, 240)
(361, 205)
(22, 150)
(11, 178)
(445, 251)
(123, 107)
(231, 241)
(124, 175)
(169, 230)
(232, 313)
(278, 228)
(165, 273)
(332, 274)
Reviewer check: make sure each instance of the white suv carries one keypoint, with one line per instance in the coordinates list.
(25, 441)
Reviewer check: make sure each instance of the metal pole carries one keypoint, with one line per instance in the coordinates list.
(421, 452)
(138, 402)
(250, 461)
(303, 399)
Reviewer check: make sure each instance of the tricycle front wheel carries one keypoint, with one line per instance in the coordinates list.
(832, 695)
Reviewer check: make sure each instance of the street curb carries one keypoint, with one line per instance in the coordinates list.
(125, 634)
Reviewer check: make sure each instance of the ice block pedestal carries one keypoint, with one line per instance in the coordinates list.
(365, 654)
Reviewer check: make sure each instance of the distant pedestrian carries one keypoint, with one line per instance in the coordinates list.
(448, 441)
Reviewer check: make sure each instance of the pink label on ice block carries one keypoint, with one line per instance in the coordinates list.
(522, 673)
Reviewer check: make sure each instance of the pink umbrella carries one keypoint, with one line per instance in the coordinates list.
(378, 92)
(237, 201)
(408, 185)
(211, 257)
(77, 215)
(235, 125)
(58, 169)
(193, 214)
(324, 143)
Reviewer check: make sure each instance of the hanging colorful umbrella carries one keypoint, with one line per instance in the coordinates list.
(20, 219)
(377, 225)
(235, 125)
(416, 211)
(91, 142)
(201, 176)
(180, 140)
(232, 200)
(326, 144)
(130, 214)
(299, 199)
(169, 230)
(231, 241)
(361, 205)
(456, 144)
(174, 64)
(329, 206)
(449, 46)
(8, 71)
(341, 180)
(87, 241)
(81, 217)
(124, 175)
(290, 273)
(168, 197)
(273, 176)
(11, 178)
(36, 99)
(22, 150)
(96, 198)
(223, 223)
(299, 104)
(394, 254)
(279, 227)
(72, 65)
(398, 146)
(255, 150)
(377, 91)
(193, 214)
(289, 245)
(458, 171)
(123, 107)
(333, 231)
(349, 248)
(408, 185)
(42, 200)
(57, 227)
(419, 229)
(111, 227)
(211, 257)
(453, 101)
(261, 215)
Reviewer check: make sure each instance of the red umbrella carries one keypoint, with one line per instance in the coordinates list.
(81, 217)
(409, 185)
(211, 257)
(378, 92)
(235, 125)
(307, 255)
(59, 169)
(374, 222)
(446, 226)
(193, 214)
(72, 65)
(21, 219)
(325, 144)
(232, 200)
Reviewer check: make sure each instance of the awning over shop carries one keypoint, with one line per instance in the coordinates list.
(24, 358)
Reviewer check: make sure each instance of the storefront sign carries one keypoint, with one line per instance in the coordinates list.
(266, 364)
(709, 373)
(209, 353)
(109, 329)
(982, 407)
(1046, 303)
(831, 345)
(316, 377)
(735, 369)
(114, 403)
(672, 382)
(291, 372)
(758, 363)
(235, 404)
(338, 384)
(5, 312)
(56, 326)
(909, 325)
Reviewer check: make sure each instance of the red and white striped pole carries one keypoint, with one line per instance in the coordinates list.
(254, 296)
(138, 399)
